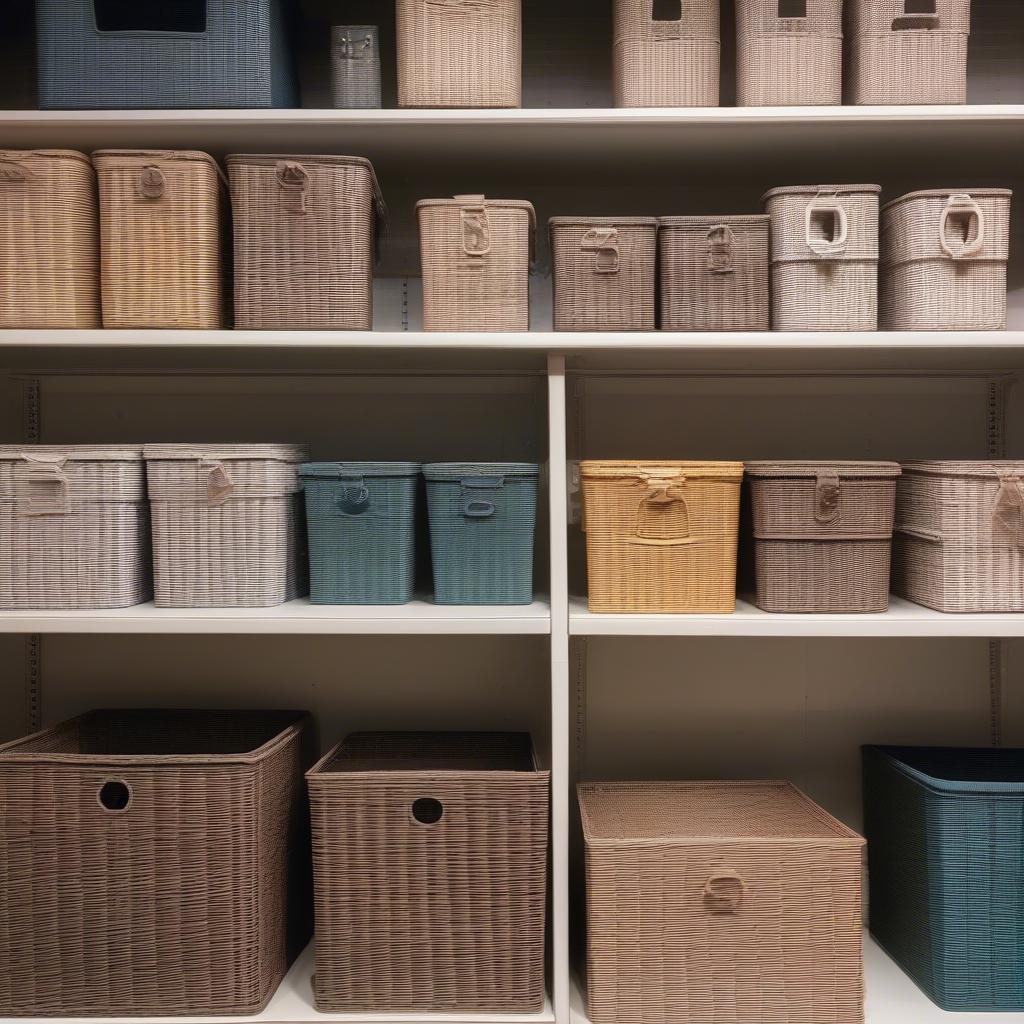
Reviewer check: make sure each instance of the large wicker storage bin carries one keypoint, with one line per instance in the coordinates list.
(430, 860)
(49, 240)
(153, 863)
(604, 272)
(355, 67)
(714, 273)
(824, 257)
(476, 255)
(305, 230)
(944, 256)
(161, 228)
(227, 525)
(823, 534)
(720, 902)
(661, 536)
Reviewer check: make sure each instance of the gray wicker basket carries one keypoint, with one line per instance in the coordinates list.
(355, 67)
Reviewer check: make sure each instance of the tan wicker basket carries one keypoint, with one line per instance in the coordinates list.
(604, 272)
(49, 240)
(661, 536)
(824, 257)
(305, 228)
(944, 257)
(476, 254)
(714, 273)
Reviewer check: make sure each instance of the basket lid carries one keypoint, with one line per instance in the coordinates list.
(585, 222)
(17, 155)
(192, 452)
(619, 469)
(337, 470)
(994, 468)
(980, 770)
(813, 190)
(71, 452)
(802, 468)
(709, 221)
(945, 193)
(458, 470)
(459, 202)
(134, 155)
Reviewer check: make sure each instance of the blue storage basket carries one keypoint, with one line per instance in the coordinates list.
(482, 520)
(361, 518)
(148, 54)
(945, 831)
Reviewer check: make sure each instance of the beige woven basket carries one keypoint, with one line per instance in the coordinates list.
(824, 257)
(430, 859)
(305, 229)
(666, 63)
(49, 240)
(714, 273)
(720, 902)
(661, 536)
(459, 53)
(475, 254)
(227, 525)
(944, 257)
(604, 272)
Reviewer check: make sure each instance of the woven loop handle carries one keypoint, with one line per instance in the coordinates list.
(354, 498)
(42, 486)
(12, 171)
(721, 242)
(152, 182)
(663, 493)
(970, 245)
(826, 498)
(1008, 511)
(604, 243)
(476, 225)
(293, 179)
(218, 484)
(724, 891)
(825, 248)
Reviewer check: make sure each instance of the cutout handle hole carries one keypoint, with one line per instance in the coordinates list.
(427, 810)
(920, 6)
(792, 8)
(666, 10)
(824, 225)
(150, 15)
(114, 795)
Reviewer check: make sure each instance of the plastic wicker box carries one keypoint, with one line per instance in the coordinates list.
(355, 67)
(153, 863)
(710, 902)
(430, 859)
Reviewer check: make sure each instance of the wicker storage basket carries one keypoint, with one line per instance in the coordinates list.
(460, 53)
(73, 527)
(604, 273)
(482, 520)
(667, 63)
(945, 830)
(430, 859)
(355, 67)
(715, 902)
(944, 256)
(153, 863)
(476, 263)
(824, 257)
(661, 536)
(305, 228)
(714, 273)
(49, 240)
(227, 525)
(161, 228)
(823, 534)
(784, 61)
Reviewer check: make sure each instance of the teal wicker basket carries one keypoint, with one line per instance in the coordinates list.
(361, 518)
(945, 831)
(482, 519)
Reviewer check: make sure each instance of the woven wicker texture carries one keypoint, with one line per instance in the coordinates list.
(430, 857)
(944, 256)
(355, 67)
(153, 863)
(482, 520)
(604, 272)
(661, 536)
(49, 240)
(715, 902)
(714, 273)
(460, 53)
(945, 831)
(475, 254)
(305, 228)
(824, 257)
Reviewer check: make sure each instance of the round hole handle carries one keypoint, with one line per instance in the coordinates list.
(427, 811)
(354, 499)
(114, 796)
(724, 891)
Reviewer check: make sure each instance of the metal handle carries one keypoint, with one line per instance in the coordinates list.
(724, 891)
(720, 240)
(152, 182)
(965, 208)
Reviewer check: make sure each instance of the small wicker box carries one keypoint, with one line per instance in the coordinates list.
(430, 861)
(720, 902)
(355, 67)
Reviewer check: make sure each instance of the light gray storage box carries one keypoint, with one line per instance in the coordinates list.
(355, 67)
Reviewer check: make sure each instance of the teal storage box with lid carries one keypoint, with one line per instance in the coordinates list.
(945, 831)
(482, 520)
(361, 518)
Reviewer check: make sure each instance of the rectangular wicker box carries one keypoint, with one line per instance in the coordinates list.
(430, 859)
(153, 863)
(355, 67)
(714, 902)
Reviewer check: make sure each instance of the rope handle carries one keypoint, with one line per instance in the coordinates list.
(972, 244)
(42, 485)
(826, 498)
(604, 243)
(476, 225)
(829, 205)
(293, 180)
(724, 891)
(721, 242)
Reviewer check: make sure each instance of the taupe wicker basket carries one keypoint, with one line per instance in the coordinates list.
(944, 257)
(475, 254)
(714, 273)
(305, 230)
(604, 272)
(823, 534)
(49, 240)
(430, 859)
(720, 901)
(824, 257)
(227, 525)
(153, 863)
(161, 228)
(355, 67)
